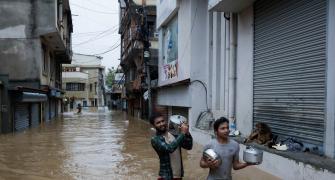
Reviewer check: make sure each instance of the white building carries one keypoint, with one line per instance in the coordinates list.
(260, 61)
(83, 81)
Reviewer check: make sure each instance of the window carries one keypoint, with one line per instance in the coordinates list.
(75, 86)
(91, 87)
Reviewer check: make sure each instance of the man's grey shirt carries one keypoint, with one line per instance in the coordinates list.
(228, 153)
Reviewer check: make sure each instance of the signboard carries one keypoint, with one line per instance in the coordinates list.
(170, 50)
(146, 95)
(118, 76)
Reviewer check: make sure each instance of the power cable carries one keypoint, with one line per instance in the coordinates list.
(108, 50)
(97, 4)
(92, 10)
(99, 36)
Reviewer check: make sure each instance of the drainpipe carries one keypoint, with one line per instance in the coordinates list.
(232, 68)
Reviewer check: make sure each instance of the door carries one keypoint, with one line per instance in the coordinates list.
(35, 114)
(21, 115)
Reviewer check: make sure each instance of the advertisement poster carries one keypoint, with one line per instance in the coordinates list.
(170, 50)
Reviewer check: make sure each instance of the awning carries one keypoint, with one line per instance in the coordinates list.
(31, 97)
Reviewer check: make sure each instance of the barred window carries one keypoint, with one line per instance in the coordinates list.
(75, 86)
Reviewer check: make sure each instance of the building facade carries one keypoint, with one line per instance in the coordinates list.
(133, 15)
(34, 42)
(84, 82)
(254, 61)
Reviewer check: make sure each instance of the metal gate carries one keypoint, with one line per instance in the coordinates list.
(35, 114)
(289, 67)
(21, 116)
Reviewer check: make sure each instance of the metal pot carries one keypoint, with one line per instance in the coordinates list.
(252, 155)
(211, 154)
(174, 122)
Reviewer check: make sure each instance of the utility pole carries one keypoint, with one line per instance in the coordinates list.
(146, 53)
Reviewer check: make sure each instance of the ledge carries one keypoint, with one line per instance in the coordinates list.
(318, 162)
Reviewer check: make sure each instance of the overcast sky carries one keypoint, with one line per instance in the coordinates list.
(95, 29)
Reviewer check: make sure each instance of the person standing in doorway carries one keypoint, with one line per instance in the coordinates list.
(228, 151)
(168, 148)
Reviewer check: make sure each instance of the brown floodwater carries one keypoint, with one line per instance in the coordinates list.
(93, 146)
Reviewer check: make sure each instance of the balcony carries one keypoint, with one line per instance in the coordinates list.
(75, 75)
(229, 5)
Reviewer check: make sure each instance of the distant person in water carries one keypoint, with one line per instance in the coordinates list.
(79, 108)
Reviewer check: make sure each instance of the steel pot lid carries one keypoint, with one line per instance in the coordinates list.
(178, 119)
(210, 153)
(252, 150)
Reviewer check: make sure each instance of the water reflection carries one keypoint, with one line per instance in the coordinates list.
(87, 146)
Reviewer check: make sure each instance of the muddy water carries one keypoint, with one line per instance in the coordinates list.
(92, 146)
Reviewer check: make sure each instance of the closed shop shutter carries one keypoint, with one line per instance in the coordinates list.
(52, 109)
(21, 116)
(35, 114)
(46, 111)
(289, 67)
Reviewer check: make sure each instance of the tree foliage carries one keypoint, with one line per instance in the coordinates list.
(110, 77)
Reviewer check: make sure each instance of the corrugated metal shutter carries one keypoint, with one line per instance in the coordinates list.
(52, 108)
(35, 117)
(21, 116)
(289, 67)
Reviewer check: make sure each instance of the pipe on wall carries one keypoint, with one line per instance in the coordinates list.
(232, 67)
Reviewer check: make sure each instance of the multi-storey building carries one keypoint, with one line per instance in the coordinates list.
(133, 15)
(83, 81)
(35, 39)
(254, 61)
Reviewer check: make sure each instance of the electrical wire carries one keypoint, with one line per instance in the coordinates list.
(97, 4)
(108, 50)
(92, 10)
(97, 37)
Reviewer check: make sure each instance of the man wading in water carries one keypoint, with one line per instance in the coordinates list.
(227, 149)
(168, 148)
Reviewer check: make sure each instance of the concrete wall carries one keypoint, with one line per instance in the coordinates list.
(45, 16)
(178, 95)
(330, 124)
(22, 23)
(290, 169)
(185, 16)
(244, 79)
(18, 44)
(199, 59)
(174, 96)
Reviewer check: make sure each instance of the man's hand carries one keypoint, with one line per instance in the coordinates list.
(184, 128)
(213, 164)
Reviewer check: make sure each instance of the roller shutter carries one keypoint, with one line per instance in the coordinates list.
(35, 117)
(21, 116)
(289, 67)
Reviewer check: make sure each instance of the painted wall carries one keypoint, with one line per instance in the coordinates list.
(184, 16)
(244, 81)
(18, 43)
(330, 124)
(199, 44)
(174, 96)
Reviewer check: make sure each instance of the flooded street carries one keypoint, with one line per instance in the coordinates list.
(91, 146)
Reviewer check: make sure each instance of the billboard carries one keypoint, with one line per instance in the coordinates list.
(170, 50)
